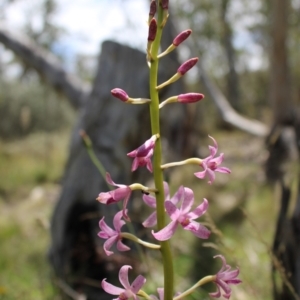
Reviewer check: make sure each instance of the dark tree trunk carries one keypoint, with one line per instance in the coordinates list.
(232, 76)
(283, 162)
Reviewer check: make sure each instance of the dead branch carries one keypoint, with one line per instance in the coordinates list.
(47, 66)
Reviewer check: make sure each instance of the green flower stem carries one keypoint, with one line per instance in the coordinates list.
(203, 281)
(169, 100)
(132, 237)
(157, 171)
(195, 161)
(143, 294)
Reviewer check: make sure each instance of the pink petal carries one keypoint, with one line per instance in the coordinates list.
(125, 202)
(106, 229)
(211, 176)
(108, 244)
(149, 165)
(199, 210)
(149, 200)
(111, 289)
(188, 201)
(198, 230)
(224, 286)
(223, 170)
(121, 193)
(104, 198)
(217, 160)
(215, 146)
(172, 210)
(118, 223)
(166, 190)
(166, 232)
(200, 175)
(121, 246)
(178, 196)
(135, 164)
(216, 294)
(151, 220)
(137, 284)
(123, 276)
(110, 181)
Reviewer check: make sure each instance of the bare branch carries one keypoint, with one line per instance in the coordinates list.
(227, 113)
(48, 66)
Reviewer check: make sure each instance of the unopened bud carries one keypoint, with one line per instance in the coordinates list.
(120, 94)
(152, 8)
(181, 37)
(186, 66)
(190, 97)
(165, 4)
(152, 30)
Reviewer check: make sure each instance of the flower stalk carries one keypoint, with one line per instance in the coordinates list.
(157, 171)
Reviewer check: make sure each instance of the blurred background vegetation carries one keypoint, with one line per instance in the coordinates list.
(234, 40)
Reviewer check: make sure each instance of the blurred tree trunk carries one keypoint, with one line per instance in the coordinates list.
(232, 76)
(283, 162)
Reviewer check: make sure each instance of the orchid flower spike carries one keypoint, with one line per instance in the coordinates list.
(184, 217)
(224, 278)
(142, 155)
(151, 201)
(129, 291)
(211, 164)
(112, 235)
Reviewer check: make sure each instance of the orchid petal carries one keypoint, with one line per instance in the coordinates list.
(108, 244)
(151, 220)
(188, 201)
(111, 289)
(121, 246)
(149, 200)
(198, 230)
(137, 284)
(118, 223)
(199, 210)
(123, 276)
(223, 170)
(200, 175)
(166, 233)
(172, 210)
(106, 229)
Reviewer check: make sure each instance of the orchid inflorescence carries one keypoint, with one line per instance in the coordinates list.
(179, 208)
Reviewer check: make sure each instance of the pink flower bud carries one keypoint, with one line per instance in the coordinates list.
(152, 8)
(181, 37)
(165, 4)
(120, 94)
(186, 66)
(190, 97)
(152, 30)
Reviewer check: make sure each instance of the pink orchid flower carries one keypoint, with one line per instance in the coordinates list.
(122, 192)
(151, 201)
(142, 155)
(184, 217)
(223, 278)
(211, 164)
(129, 291)
(112, 236)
